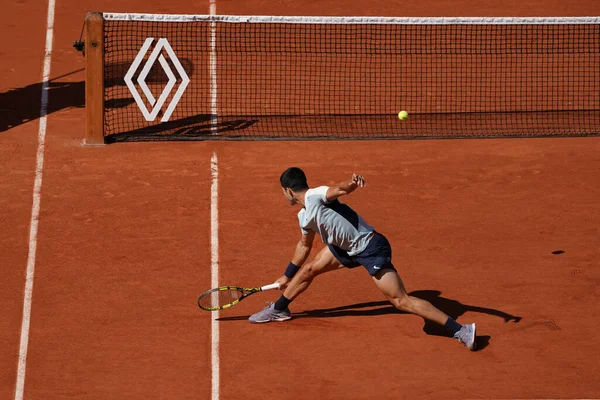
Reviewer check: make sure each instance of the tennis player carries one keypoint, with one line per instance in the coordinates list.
(351, 242)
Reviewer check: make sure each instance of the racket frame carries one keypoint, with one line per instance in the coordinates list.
(247, 292)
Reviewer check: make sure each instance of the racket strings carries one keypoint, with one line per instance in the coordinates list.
(220, 298)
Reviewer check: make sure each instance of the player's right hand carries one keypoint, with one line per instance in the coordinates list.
(283, 282)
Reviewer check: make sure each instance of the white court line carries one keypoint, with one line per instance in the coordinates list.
(214, 210)
(213, 69)
(35, 209)
(214, 272)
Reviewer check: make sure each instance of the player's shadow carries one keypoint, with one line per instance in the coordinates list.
(451, 307)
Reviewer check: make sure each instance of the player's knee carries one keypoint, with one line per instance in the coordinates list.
(309, 271)
(403, 303)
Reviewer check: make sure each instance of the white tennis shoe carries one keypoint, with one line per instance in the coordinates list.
(270, 314)
(466, 336)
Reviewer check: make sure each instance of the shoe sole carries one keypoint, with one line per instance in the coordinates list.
(278, 319)
(474, 347)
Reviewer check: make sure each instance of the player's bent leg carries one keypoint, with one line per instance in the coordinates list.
(390, 284)
(324, 261)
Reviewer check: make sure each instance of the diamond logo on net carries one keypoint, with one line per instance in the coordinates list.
(157, 104)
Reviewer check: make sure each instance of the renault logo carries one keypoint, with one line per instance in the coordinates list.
(157, 104)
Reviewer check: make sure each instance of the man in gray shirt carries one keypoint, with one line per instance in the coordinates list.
(351, 242)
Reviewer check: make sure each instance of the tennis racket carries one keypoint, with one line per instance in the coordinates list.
(227, 296)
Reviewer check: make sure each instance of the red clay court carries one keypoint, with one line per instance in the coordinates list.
(501, 232)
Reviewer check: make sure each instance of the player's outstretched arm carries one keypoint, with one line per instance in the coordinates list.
(345, 187)
(300, 256)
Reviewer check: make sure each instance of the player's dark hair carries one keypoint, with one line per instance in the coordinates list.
(293, 178)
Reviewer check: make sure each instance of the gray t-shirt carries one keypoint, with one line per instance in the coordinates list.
(337, 223)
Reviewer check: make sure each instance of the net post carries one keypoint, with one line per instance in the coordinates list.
(94, 79)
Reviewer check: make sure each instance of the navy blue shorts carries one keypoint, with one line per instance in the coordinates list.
(377, 255)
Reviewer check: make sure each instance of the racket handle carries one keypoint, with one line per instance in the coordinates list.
(270, 287)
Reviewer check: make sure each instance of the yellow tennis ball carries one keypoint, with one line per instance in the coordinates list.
(402, 115)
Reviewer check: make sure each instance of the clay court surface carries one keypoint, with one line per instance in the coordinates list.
(501, 232)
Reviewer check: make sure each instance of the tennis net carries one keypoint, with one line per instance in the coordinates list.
(181, 77)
